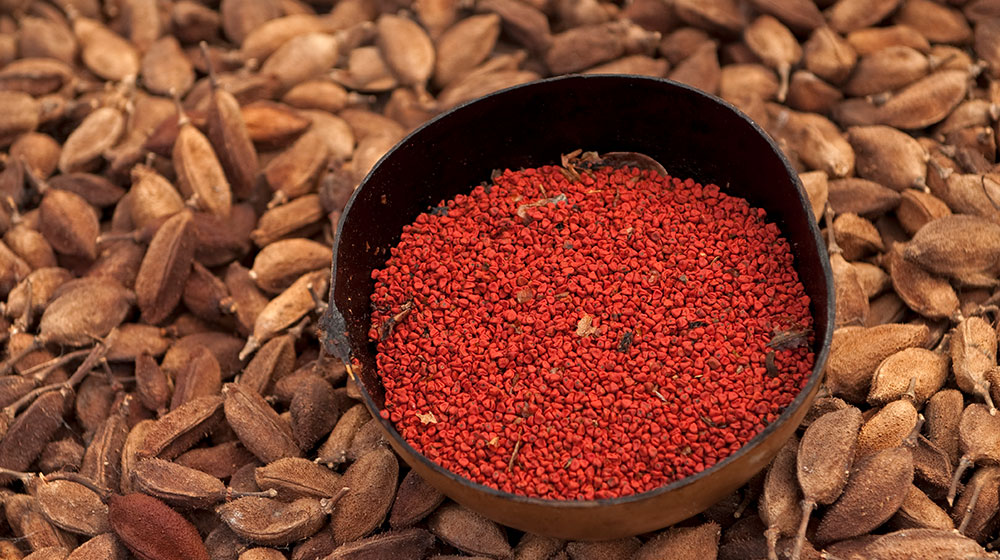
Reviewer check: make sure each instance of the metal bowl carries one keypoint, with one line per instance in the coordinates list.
(693, 135)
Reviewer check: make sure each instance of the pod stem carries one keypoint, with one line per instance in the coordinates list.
(973, 500)
(771, 534)
(807, 508)
(959, 471)
(78, 478)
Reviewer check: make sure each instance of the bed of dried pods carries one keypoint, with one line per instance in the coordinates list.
(171, 171)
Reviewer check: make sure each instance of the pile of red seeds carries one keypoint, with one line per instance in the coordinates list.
(588, 338)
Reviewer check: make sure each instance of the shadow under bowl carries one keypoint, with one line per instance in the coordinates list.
(693, 135)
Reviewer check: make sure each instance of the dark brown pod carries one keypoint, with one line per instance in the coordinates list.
(179, 430)
(271, 522)
(415, 500)
(31, 430)
(132, 516)
(372, 483)
(406, 543)
(470, 532)
(165, 268)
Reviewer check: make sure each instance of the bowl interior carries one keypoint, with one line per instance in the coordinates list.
(690, 133)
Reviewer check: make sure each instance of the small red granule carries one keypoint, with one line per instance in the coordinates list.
(588, 339)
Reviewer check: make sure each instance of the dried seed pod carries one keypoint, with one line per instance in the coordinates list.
(131, 517)
(851, 301)
(701, 541)
(34, 292)
(302, 57)
(876, 488)
(102, 459)
(920, 512)
(973, 348)
(807, 92)
(415, 500)
(71, 506)
(165, 268)
(297, 218)
(273, 124)
(78, 317)
(286, 309)
(30, 526)
(40, 152)
(872, 278)
(166, 69)
(887, 428)
(296, 170)
(177, 431)
(978, 503)
(263, 40)
(828, 55)
(104, 52)
(258, 426)
(700, 70)
(31, 246)
(271, 522)
(279, 264)
(406, 49)
(127, 341)
(221, 240)
(200, 377)
(372, 483)
(261, 554)
(888, 156)
(800, 15)
(850, 15)
(986, 41)
(405, 543)
(334, 450)
(856, 236)
(319, 94)
(61, 455)
(917, 208)
(926, 101)
(929, 295)
(939, 24)
(778, 506)
(20, 114)
(524, 23)
(619, 548)
(926, 370)
(294, 477)
(970, 193)
(152, 386)
(716, 16)
(246, 298)
(930, 544)
(95, 189)
(199, 173)
(69, 224)
(472, 533)
(979, 442)
(231, 139)
(776, 47)
(817, 141)
(462, 47)
(314, 411)
(154, 198)
(177, 485)
(962, 247)
(104, 546)
(736, 81)
(220, 461)
(872, 39)
(205, 295)
(943, 412)
(886, 70)
(817, 190)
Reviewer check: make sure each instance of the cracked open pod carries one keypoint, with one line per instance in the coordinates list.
(692, 135)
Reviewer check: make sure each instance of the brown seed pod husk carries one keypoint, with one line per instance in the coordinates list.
(32, 430)
(43, 37)
(963, 247)
(95, 189)
(931, 296)
(78, 317)
(302, 57)
(152, 386)
(271, 124)
(72, 507)
(31, 246)
(319, 94)
(260, 42)
(850, 15)
(683, 543)
(887, 428)
(40, 152)
(978, 504)
(929, 544)
(199, 377)
(856, 353)
(826, 454)
(800, 15)
(851, 301)
(220, 461)
(943, 412)
(807, 92)
(94, 398)
(335, 449)
(165, 268)
(296, 170)
(856, 236)
(43, 283)
(102, 459)
(717, 16)
(888, 157)
(978, 440)
(286, 309)
(927, 370)
(246, 297)
(239, 17)
(178, 431)
(938, 23)
(166, 69)
(314, 411)
(405, 543)
(297, 218)
(472, 533)
(20, 114)
(817, 190)
(537, 547)
(969, 193)
(279, 264)
(273, 361)
(221, 240)
(682, 43)
(700, 70)
(130, 453)
(261, 554)
(778, 505)
(102, 547)
(119, 263)
(917, 208)
(415, 500)
(153, 197)
(986, 41)
(369, 437)
(739, 80)
(828, 55)
(31, 527)
(887, 69)
(366, 71)
(47, 553)
(464, 46)
(177, 485)
(262, 431)
(61, 455)
(774, 43)
(406, 49)
(272, 522)
(872, 278)
(372, 483)
(127, 341)
(926, 101)
(36, 76)
(194, 22)
(523, 22)
(294, 477)
(104, 52)
(222, 543)
(817, 141)
(225, 347)
(231, 139)
(582, 47)
(199, 172)
(920, 512)
(205, 295)
(69, 224)
(176, 538)
(874, 492)
(973, 349)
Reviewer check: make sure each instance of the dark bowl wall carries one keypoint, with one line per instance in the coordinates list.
(690, 133)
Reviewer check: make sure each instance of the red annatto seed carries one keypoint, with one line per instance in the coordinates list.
(587, 339)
